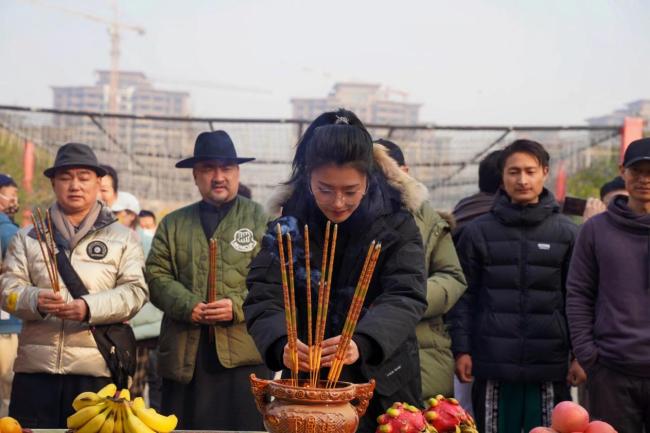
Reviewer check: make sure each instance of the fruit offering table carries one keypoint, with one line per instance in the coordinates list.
(175, 431)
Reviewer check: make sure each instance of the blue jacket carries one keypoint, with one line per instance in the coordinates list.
(8, 324)
(7, 231)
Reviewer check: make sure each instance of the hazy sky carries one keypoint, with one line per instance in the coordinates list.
(467, 62)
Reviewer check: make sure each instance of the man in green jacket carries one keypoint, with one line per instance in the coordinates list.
(205, 353)
(445, 285)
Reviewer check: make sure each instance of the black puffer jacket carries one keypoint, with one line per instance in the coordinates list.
(511, 319)
(394, 304)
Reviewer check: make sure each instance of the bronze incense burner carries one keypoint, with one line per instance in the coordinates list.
(304, 409)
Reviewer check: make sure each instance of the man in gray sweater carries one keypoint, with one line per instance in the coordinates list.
(608, 300)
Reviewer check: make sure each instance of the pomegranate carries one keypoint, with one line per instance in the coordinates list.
(599, 427)
(568, 417)
(542, 430)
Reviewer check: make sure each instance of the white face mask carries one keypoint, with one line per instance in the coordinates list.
(149, 232)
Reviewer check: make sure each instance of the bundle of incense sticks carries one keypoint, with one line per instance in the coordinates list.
(353, 313)
(316, 336)
(45, 235)
(212, 277)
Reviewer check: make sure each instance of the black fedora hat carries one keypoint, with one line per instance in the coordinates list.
(215, 145)
(75, 155)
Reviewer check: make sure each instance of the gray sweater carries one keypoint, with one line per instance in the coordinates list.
(608, 291)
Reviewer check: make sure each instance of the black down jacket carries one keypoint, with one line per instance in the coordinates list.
(511, 319)
(395, 303)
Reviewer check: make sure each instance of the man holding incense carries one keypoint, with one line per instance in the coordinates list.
(196, 272)
(337, 177)
(76, 270)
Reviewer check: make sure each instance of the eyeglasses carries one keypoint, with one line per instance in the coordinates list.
(330, 196)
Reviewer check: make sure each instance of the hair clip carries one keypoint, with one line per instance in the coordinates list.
(341, 120)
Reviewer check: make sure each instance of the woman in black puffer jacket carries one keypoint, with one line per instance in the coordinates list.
(336, 177)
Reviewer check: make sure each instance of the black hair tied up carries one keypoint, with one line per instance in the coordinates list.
(335, 137)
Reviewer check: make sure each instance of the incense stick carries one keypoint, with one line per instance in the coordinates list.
(287, 305)
(212, 277)
(310, 339)
(292, 302)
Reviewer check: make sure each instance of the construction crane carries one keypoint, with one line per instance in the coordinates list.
(114, 28)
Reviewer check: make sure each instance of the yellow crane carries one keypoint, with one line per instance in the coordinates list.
(114, 28)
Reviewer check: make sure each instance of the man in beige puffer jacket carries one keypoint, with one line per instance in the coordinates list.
(58, 357)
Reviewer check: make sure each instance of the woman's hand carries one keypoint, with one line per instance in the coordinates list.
(330, 347)
(303, 357)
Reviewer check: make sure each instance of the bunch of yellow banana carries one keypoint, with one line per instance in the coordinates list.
(108, 411)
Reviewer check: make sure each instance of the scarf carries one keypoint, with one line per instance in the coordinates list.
(68, 231)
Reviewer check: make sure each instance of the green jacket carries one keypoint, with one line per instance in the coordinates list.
(445, 285)
(177, 274)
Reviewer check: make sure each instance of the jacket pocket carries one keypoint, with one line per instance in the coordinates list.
(397, 371)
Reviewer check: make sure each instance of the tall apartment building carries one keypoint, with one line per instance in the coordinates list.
(142, 151)
(371, 102)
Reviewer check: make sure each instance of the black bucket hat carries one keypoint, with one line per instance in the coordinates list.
(215, 145)
(75, 155)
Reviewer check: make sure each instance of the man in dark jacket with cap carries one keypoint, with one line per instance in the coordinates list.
(509, 330)
(206, 355)
(608, 300)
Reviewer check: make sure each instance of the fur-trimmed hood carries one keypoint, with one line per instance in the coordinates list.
(412, 192)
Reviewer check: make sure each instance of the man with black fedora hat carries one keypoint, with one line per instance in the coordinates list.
(99, 266)
(608, 300)
(206, 354)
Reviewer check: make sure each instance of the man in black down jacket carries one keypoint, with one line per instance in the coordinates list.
(509, 329)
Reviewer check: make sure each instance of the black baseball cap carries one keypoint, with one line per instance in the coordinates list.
(638, 150)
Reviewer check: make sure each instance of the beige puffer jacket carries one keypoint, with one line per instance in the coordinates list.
(109, 261)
